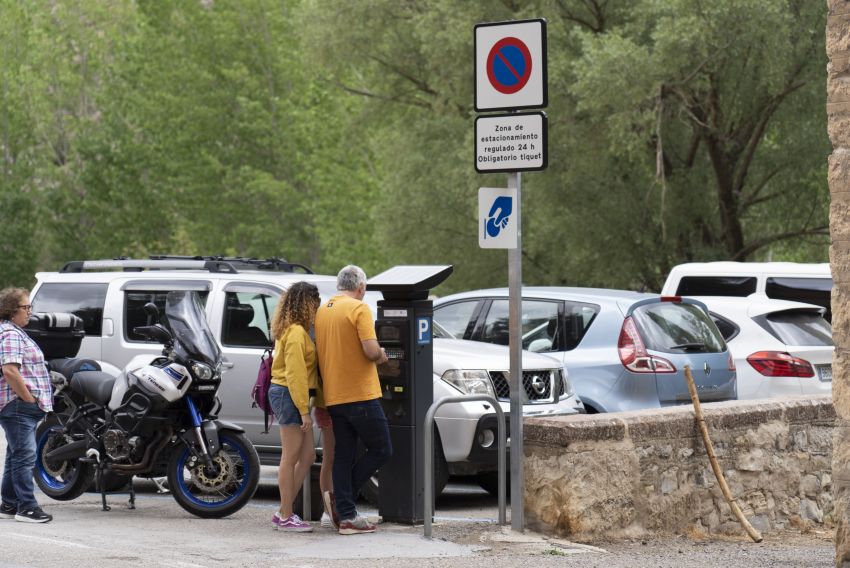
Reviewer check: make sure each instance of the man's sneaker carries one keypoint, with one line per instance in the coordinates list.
(357, 525)
(7, 511)
(291, 524)
(34, 515)
(325, 522)
(330, 508)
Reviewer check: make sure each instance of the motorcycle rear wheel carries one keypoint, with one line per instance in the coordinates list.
(63, 480)
(223, 492)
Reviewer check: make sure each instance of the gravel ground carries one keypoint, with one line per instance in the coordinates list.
(812, 549)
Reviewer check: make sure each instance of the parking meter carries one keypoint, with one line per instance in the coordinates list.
(404, 330)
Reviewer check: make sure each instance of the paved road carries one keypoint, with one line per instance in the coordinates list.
(160, 533)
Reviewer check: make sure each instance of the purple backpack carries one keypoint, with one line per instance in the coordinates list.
(260, 391)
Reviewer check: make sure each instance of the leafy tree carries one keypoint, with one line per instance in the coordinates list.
(679, 130)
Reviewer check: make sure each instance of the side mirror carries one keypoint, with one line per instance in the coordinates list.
(152, 312)
(155, 332)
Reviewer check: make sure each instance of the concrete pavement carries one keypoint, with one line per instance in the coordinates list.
(160, 533)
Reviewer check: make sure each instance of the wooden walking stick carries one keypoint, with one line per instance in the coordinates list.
(709, 449)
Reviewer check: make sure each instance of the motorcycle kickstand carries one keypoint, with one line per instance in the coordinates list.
(102, 487)
(131, 504)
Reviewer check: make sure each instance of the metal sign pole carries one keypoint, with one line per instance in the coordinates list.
(515, 335)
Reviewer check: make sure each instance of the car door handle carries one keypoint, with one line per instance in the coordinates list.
(226, 364)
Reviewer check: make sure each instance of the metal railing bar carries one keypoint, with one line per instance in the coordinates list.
(429, 454)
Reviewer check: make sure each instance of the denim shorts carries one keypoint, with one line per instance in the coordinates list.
(284, 409)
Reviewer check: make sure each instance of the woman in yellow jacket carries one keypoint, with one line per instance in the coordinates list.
(294, 376)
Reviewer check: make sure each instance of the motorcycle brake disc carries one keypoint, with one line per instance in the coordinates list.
(213, 484)
(55, 468)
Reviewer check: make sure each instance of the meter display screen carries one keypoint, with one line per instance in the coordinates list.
(389, 333)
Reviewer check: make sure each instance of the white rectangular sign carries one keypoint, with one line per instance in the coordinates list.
(510, 65)
(497, 217)
(510, 142)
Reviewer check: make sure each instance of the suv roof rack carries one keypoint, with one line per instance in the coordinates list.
(227, 264)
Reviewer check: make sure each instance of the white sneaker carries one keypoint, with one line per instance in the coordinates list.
(325, 522)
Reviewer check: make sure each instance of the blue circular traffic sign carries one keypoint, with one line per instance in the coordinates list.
(509, 65)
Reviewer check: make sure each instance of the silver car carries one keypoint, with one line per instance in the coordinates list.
(624, 350)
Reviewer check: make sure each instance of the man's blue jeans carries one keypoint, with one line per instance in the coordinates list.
(352, 421)
(19, 419)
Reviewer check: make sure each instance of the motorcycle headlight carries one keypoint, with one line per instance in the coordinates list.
(202, 371)
(470, 381)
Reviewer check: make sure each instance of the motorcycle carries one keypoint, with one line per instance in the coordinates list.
(158, 418)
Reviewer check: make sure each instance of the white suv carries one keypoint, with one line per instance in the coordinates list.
(793, 281)
(239, 296)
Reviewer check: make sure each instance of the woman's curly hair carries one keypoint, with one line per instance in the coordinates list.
(10, 299)
(298, 305)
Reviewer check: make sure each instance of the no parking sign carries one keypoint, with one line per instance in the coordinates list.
(510, 65)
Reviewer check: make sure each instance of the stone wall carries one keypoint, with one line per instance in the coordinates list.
(838, 127)
(629, 474)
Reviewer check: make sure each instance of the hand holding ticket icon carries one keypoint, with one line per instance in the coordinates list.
(499, 215)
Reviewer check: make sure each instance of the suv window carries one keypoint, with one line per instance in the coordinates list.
(716, 286)
(727, 328)
(665, 325)
(455, 318)
(810, 290)
(83, 300)
(797, 327)
(247, 318)
(134, 310)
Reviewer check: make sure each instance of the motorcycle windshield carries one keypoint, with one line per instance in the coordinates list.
(192, 336)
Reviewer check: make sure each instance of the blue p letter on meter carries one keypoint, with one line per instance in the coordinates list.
(423, 327)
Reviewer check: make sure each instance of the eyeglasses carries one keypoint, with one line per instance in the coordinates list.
(27, 307)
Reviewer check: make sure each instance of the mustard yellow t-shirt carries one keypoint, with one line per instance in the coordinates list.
(294, 365)
(342, 323)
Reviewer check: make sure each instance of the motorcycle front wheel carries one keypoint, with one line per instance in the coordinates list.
(222, 490)
(60, 480)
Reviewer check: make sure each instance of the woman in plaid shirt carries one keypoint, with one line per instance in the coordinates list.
(25, 396)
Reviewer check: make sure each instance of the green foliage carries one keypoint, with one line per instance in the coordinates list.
(342, 132)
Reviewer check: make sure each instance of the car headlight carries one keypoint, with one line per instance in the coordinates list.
(568, 384)
(202, 371)
(469, 381)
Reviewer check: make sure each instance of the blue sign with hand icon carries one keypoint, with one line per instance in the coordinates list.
(497, 225)
(500, 214)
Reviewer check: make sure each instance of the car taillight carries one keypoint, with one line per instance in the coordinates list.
(779, 364)
(633, 352)
(676, 299)
(731, 365)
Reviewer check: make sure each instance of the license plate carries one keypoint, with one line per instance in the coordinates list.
(825, 373)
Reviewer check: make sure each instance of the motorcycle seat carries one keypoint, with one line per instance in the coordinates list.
(70, 365)
(94, 385)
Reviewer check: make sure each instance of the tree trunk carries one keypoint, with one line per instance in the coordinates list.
(838, 112)
(724, 173)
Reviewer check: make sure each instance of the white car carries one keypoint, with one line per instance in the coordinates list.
(794, 281)
(780, 348)
(239, 295)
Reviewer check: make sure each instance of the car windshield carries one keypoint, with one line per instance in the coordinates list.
(795, 327)
(192, 336)
(678, 328)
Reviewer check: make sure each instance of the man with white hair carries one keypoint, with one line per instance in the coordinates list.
(349, 353)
